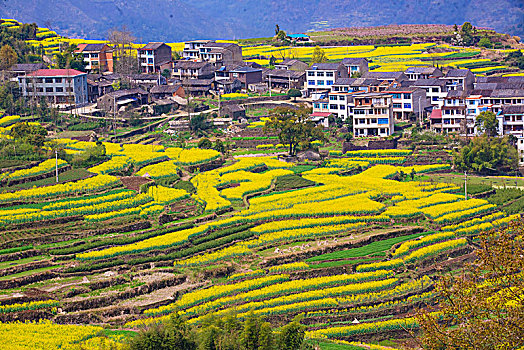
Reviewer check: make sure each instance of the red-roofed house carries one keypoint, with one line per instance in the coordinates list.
(58, 86)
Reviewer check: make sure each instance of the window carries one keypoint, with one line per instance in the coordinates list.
(59, 89)
(342, 107)
(94, 55)
(358, 111)
(329, 82)
(320, 74)
(150, 60)
(39, 89)
(324, 105)
(58, 80)
(48, 80)
(397, 96)
(316, 105)
(333, 107)
(320, 82)
(49, 89)
(383, 120)
(382, 131)
(342, 98)
(434, 98)
(397, 105)
(311, 82)
(407, 105)
(434, 89)
(332, 98)
(407, 96)
(329, 74)
(149, 52)
(310, 74)
(86, 55)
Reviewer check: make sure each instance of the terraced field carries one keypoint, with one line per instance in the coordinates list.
(333, 246)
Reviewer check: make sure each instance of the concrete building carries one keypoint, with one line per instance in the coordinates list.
(58, 86)
(459, 79)
(192, 49)
(408, 102)
(416, 73)
(320, 76)
(98, 57)
(436, 90)
(292, 64)
(153, 56)
(284, 79)
(221, 53)
(355, 65)
(373, 115)
(193, 70)
(114, 101)
(520, 149)
(246, 75)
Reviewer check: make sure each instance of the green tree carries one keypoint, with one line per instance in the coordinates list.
(487, 122)
(466, 32)
(485, 42)
(294, 93)
(33, 135)
(250, 333)
(219, 146)
(292, 335)
(294, 127)
(198, 123)
(481, 308)
(166, 73)
(8, 57)
(205, 144)
(281, 35)
(266, 339)
(487, 155)
(319, 56)
(174, 334)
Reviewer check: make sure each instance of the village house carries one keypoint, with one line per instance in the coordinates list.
(355, 66)
(153, 57)
(320, 76)
(284, 79)
(21, 69)
(459, 79)
(221, 53)
(409, 103)
(57, 86)
(160, 92)
(246, 75)
(98, 57)
(192, 49)
(436, 90)
(373, 115)
(114, 101)
(416, 73)
(292, 64)
(193, 70)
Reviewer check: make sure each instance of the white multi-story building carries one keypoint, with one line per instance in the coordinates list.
(408, 102)
(192, 49)
(436, 90)
(520, 149)
(321, 76)
(58, 86)
(373, 115)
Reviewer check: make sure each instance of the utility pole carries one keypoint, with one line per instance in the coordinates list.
(466, 185)
(419, 113)
(269, 84)
(56, 164)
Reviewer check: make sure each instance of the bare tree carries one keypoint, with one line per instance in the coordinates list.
(124, 56)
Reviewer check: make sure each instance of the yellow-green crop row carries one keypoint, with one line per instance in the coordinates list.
(45, 167)
(89, 185)
(32, 305)
(364, 328)
(9, 120)
(159, 170)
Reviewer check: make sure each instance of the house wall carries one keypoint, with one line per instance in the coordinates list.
(56, 89)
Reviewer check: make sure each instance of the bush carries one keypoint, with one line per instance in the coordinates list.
(185, 185)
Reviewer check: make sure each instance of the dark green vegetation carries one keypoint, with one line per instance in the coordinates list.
(227, 333)
(292, 181)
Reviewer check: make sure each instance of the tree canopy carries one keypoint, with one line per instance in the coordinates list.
(319, 56)
(484, 155)
(483, 307)
(294, 127)
(487, 123)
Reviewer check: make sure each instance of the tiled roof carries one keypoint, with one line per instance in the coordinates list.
(93, 47)
(457, 73)
(56, 73)
(152, 46)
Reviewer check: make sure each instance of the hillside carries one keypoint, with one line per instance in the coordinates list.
(175, 20)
